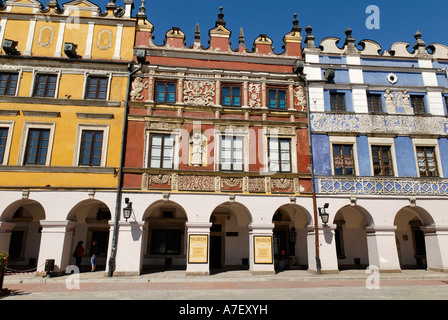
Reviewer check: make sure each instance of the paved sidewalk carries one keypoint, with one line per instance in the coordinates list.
(229, 276)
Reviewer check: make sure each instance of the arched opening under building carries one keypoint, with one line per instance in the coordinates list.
(351, 237)
(92, 224)
(164, 241)
(290, 237)
(229, 237)
(410, 237)
(24, 241)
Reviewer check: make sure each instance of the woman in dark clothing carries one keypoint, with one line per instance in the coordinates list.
(79, 252)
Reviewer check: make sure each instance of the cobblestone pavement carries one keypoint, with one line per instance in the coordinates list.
(233, 285)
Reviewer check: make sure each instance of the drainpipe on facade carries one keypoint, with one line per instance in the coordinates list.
(120, 171)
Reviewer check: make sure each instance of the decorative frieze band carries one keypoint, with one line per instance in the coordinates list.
(367, 123)
(211, 183)
(384, 186)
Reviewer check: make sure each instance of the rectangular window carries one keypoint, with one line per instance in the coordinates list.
(231, 96)
(277, 98)
(279, 155)
(96, 87)
(3, 141)
(343, 160)
(232, 153)
(165, 92)
(45, 85)
(166, 241)
(161, 151)
(337, 101)
(37, 147)
(91, 147)
(8, 83)
(427, 164)
(382, 161)
(374, 103)
(418, 104)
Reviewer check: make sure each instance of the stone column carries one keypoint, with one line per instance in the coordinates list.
(55, 244)
(327, 249)
(261, 252)
(198, 250)
(382, 248)
(436, 242)
(128, 258)
(5, 235)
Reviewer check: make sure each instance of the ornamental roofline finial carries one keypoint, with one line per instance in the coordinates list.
(241, 37)
(220, 21)
(295, 23)
(309, 39)
(142, 11)
(197, 33)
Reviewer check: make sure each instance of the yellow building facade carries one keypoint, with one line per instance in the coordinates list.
(63, 79)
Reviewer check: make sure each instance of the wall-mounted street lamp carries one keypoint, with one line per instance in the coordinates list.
(323, 214)
(127, 211)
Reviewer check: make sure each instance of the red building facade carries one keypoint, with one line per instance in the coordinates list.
(217, 163)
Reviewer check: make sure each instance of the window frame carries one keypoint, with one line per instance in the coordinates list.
(280, 160)
(233, 137)
(9, 73)
(428, 143)
(24, 141)
(344, 171)
(97, 92)
(165, 83)
(380, 157)
(277, 89)
(150, 144)
(231, 97)
(36, 82)
(78, 144)
(374, 109)
(425, 158)
(415, 100)
(336, 94)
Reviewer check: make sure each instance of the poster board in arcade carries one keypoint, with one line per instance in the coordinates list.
(198, 248)
(263, 249)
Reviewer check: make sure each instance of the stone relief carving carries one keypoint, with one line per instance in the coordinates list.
(232, 182)
(254, 95)
(197, 147)
(137, 87)
(398, 102)
(200, 183)
(161, 179)
(300, 96)
(281, 183)
(199, 93)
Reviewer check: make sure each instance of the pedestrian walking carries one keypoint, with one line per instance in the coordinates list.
(93, 254)
(79, 252)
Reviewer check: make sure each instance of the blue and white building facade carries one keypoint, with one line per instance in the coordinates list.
(380, 152)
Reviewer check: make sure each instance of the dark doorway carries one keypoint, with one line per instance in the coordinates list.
(215, 252)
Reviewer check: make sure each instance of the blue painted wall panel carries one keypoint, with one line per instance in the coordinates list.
(389, 63)
(404, 78)
(332, 60)
(405, 155)
(321, 154)
(362, 146)
(443, 149)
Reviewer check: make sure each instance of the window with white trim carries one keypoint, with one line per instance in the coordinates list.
(279, 154)
(232, 153)
(91, 145)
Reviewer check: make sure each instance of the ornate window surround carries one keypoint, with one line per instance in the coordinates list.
(97, 127)
(280, 132)
(97, 74)
(27, 125)
(36, 72)
(373, 141)
(238, 131)
(348, 141)
(162, 128)
(428, 143)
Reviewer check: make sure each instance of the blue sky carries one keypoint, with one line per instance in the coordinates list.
(398, 19)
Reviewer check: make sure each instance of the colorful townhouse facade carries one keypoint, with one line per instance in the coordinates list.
(64, 70)
(217, 155)
(380, 151)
